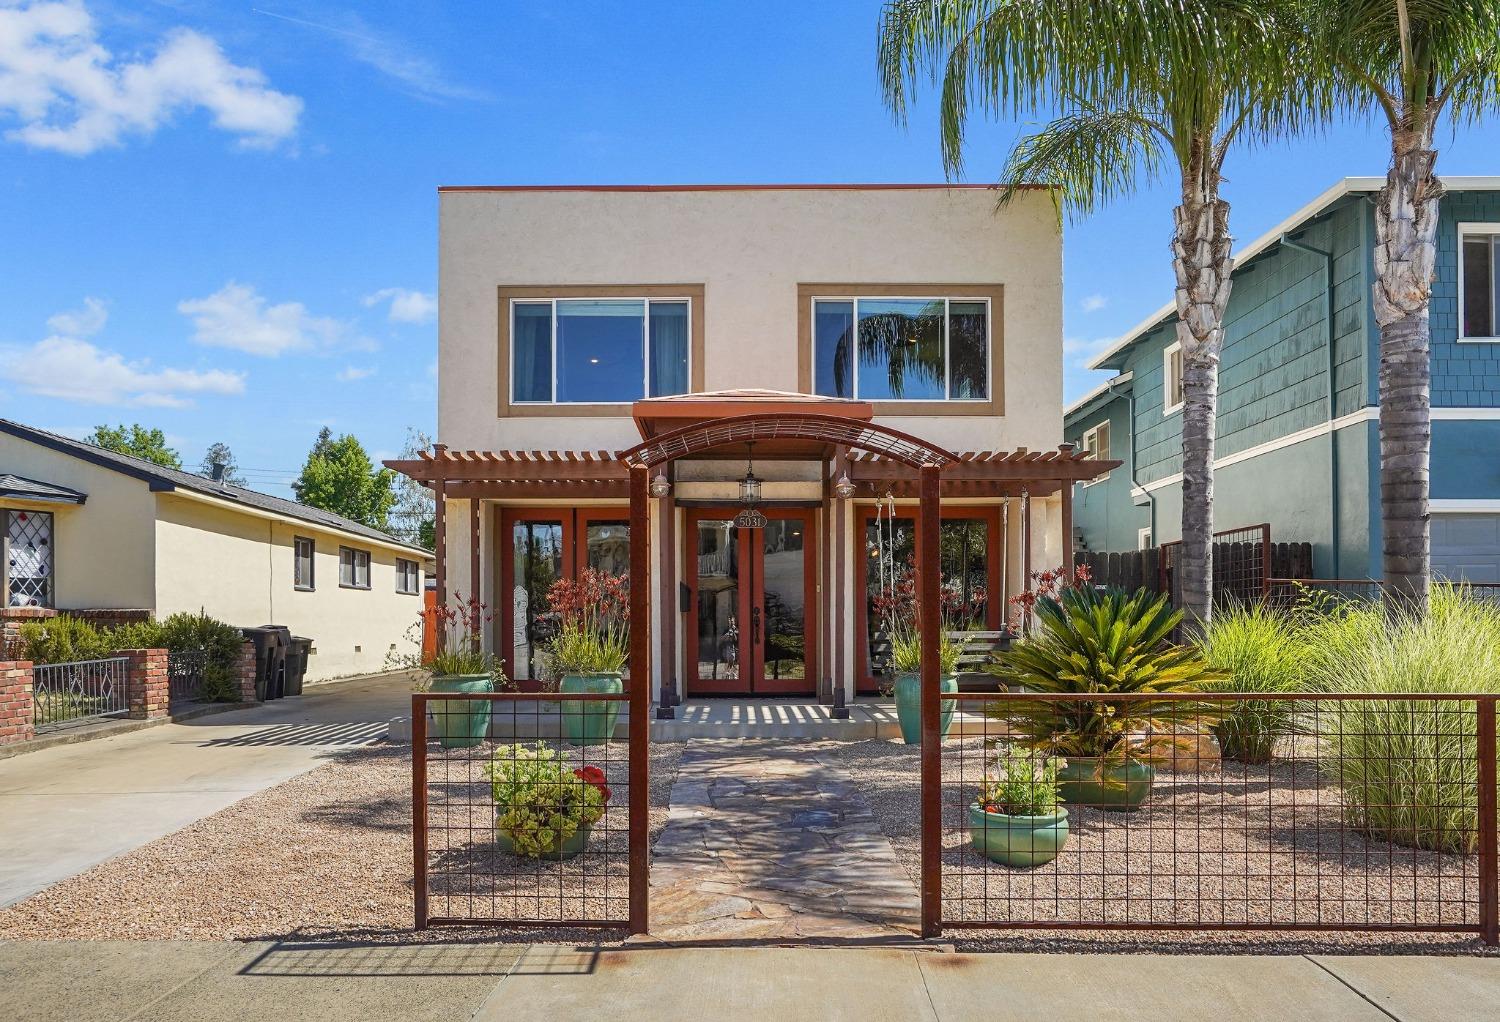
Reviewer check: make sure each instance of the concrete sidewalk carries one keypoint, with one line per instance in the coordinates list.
(180, 980)
(70, 807)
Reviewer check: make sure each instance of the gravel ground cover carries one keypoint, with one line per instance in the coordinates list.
(1259, 844)
(323, 856)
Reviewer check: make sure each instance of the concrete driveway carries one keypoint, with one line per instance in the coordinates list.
(70, 807)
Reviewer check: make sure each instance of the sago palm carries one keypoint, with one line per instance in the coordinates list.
(1420, 63)
(1146, 87)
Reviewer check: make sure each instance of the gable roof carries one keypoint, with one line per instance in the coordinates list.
(161, 479)
(1110, 358)
(1109, 390)
(12, 485)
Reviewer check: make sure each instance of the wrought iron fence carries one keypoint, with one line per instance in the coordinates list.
(78, 693)
(1241, 565)
(185, 675)
(1306, 812)
(528, 811)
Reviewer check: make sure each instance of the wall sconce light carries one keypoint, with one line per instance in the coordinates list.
(844, 487)
(660, 487)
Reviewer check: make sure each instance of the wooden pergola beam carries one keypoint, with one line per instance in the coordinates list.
(488, 467)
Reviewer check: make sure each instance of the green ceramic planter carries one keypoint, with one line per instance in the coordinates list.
(909, 706)
(1122, 785)
(588, 721)
(1017, 840)
(459, 723)
(557, 851)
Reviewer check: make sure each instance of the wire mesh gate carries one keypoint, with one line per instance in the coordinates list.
(531, 828)
(1241, 565)
(1248, 812)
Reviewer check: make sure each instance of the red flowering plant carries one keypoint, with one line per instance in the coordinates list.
(900, 611)
(595, 778)
(457, 647)
(1048, 584)
(593, 612)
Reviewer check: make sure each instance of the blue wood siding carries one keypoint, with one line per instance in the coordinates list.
(1463, 375)
(1103, 510)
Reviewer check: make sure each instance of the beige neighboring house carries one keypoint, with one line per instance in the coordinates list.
(91, 530)
(577, 322)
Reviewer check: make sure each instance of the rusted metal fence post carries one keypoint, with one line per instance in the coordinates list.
(929, 612)
(419, 806)
(1489, 853)
(640, 698)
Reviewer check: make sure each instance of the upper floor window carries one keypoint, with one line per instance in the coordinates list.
(1096, 445)
(598, 350)
(902, 349)
(28, 559)
(354, 568)
(408, 576)
(1479, 281)
(1171, 379)
(302, 563)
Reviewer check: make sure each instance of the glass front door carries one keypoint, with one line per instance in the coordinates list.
(752, 618)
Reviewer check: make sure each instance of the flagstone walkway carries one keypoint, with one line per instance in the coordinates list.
(769, 841)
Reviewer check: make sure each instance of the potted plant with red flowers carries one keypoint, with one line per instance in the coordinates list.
(902, 615)
(456, 662)
(1017, 818)
(590, 650)
(544, 810)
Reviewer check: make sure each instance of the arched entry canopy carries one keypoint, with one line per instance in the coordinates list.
(815, 428)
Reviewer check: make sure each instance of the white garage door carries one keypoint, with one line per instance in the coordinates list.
(1466, 547)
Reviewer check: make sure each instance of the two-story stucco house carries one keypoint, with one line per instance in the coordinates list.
(1298, 442)
(577, 322)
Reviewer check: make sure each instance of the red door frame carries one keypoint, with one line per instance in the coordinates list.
(751, 555)
(575, 522)
(864, 683)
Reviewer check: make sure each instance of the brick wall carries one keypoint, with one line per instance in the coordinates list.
(15, 701)
(244, 670)
(146, 682)
(11, 620)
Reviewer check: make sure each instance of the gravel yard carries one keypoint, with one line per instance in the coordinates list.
(326, 855)
(1257, 844)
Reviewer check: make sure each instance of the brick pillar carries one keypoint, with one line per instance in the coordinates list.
(244, 671)
(16, 707)
(146, 682)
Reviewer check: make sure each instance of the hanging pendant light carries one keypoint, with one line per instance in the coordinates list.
(749, 486)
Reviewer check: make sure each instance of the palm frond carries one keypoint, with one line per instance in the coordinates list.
(1090, 158)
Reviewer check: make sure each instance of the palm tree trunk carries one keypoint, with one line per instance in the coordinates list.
(1200, 257)
(1405, 254)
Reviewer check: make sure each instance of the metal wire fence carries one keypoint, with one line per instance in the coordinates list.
(1286, 592)
(78, 693)
(524, 810)
(1307, 812)
(1241, 565)
(185, 675)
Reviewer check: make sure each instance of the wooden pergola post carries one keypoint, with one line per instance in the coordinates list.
(929, 594)
(440, 533)
(640, 696)
(474, 588)
(1066, 491)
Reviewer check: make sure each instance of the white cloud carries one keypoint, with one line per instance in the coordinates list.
(75, 370)
(406, 306)
(84, 322)
(415, 73)
(237, 316)
(1080, 352)
(73, 96)
(1093, 303)
(349, 374)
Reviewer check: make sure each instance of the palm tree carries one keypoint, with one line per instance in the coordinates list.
(1145, 84)
(1418, 62)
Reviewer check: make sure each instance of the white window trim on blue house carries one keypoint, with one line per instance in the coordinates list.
(1492, 231)
(1169, 386)
(1090, 444)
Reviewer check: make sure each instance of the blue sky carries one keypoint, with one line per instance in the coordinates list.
(221, 219)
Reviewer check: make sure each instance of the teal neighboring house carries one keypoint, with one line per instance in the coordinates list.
(1298, 432)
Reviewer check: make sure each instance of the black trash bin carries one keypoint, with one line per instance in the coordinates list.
(296, 664)
(271, 642)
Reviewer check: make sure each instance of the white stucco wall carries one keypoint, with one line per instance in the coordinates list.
(104, 555)
(238, 567)
(749, 249)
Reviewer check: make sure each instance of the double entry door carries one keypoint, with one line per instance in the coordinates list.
(752, 604)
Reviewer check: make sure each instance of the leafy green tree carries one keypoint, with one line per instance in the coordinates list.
(220, 454)
(138, 441)
(339, 477)
(1419, 63)
(1149, 90)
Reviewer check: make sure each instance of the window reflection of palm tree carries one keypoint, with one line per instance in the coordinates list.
(911, 347)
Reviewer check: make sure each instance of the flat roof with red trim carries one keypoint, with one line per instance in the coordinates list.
(938, 186)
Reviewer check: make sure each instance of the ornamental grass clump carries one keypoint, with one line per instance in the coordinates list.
(540, 802)
(1256, 649)
(1408, 768)
(594, 634)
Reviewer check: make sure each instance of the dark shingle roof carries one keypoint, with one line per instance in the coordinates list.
(161, 479)
(12, 485)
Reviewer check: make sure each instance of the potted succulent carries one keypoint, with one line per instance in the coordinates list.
(590, 650)
(543, 808)
(1104, 643)
(1017, 818)
(454, 661)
